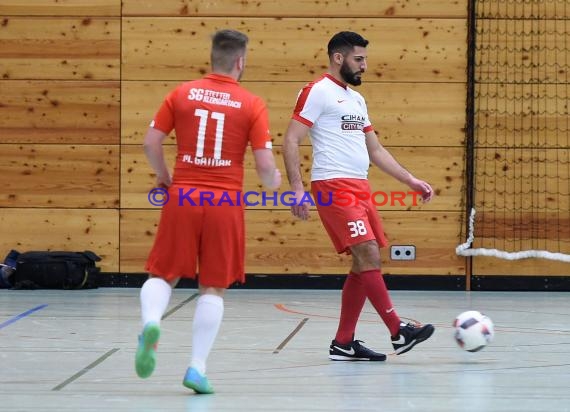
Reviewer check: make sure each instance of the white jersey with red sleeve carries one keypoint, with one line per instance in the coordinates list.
(338, 118)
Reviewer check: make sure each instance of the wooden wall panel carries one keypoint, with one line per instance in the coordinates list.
(400, 50)
(417, 114)
(70, 112)
(137, 176)
(80, 81)
(404, 114)
(435, 235)
(139, 103)
(63, 229)
(295, 8)
(441, 166)
(487, 266)
(137, 231)
(279, 243)
(55, 176)
(61, 7)
(82, 48)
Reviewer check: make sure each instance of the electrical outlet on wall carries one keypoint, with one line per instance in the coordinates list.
(403, 252)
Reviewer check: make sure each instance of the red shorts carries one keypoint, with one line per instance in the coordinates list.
(212, 236)
(348, 221)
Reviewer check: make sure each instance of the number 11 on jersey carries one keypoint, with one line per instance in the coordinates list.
(220, 118)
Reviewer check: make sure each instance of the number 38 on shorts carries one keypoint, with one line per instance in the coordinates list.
(357, 228)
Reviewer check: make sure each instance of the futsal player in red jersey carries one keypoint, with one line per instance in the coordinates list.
(344, 144)
(215, 120)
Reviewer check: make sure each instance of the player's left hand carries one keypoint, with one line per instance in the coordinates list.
(422, 187)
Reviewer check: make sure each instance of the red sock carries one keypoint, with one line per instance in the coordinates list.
(353, 298)
(377, 294)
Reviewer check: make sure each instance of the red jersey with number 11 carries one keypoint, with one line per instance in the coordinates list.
(214, 119)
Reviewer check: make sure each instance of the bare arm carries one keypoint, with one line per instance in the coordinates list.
(384, 160)
(295, 133)
(155, 155)
(266, 170)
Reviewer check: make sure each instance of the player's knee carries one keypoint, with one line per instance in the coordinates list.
(172, 282)
(367, 254)
(210, 290)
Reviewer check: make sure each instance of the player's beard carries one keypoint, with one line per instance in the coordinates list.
(349, 76)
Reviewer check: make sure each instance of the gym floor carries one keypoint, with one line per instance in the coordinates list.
(74, 351)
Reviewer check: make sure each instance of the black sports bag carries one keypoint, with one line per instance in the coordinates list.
(56, 270)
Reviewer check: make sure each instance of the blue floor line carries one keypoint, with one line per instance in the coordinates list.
(21, 315)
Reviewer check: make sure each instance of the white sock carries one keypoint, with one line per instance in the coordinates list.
(155, 295)
(207, 320)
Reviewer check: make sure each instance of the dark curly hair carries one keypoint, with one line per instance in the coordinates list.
(344, 41)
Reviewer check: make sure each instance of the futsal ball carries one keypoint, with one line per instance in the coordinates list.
(473, 330)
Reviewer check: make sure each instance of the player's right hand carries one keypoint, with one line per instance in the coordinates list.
(300, 210)
(164, 181)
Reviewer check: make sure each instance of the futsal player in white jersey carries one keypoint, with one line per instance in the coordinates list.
(344, 145)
